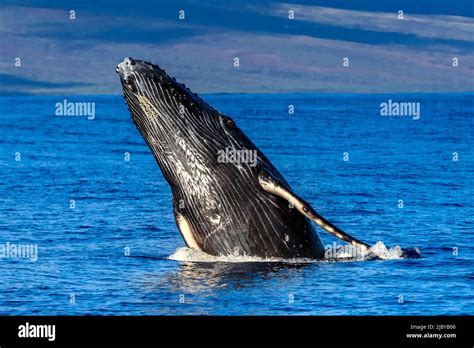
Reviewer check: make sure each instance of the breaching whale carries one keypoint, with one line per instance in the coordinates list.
(221, 207)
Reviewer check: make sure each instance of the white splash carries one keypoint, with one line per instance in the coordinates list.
(377, 251)
(381, 251)
(185, 254)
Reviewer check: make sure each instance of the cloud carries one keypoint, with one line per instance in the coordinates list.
(423, 26)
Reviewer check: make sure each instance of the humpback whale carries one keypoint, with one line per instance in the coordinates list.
(237, 206)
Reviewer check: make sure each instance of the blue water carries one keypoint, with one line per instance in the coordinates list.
(120, 204)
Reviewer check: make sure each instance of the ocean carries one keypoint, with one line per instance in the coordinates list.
(86, 194)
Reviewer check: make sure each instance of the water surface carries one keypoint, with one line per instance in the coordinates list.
(125, 205)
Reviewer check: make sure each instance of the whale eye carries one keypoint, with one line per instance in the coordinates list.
(226, 121)
(229, 122)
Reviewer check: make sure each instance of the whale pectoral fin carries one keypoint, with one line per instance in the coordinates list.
(186, 231)
(274, 186)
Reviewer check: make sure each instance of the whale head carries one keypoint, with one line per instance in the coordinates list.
(186, 135)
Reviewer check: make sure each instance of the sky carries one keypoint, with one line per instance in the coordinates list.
(277, 54)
